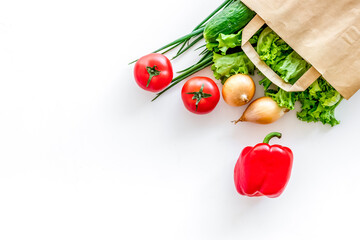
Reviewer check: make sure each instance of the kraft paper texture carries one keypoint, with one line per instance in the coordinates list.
(326, 33)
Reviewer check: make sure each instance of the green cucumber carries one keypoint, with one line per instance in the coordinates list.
(233, 18)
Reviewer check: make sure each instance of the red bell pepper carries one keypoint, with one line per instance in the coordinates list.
(263, 170)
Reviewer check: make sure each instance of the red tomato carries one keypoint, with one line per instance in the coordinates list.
(153, 72)
(200, 95)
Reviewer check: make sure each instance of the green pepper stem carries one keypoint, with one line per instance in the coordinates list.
(271, 135)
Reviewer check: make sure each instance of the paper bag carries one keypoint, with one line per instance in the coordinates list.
(325, 33)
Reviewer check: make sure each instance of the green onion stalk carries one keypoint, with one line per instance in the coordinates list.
(187, 42)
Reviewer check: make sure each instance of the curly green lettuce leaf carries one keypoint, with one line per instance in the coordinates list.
(291, 68)
(289, 65)
(228, 41)
(284, 99)
(330, 98)
(212, 46)
(271, 48)
(227, 65)
(224, 42)
(314, 89)
(266, 83)
(319, 102)
(317, 112)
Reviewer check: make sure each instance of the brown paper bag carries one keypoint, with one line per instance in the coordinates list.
(326, 33)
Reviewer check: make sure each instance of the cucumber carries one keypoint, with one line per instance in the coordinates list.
(233, 18)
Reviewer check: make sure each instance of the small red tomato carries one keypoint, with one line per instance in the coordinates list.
(200, 95)
(153, 72)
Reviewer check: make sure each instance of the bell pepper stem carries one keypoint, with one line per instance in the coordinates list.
(271, 135)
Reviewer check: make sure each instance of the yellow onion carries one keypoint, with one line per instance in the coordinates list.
(238, 90)
(263, 110)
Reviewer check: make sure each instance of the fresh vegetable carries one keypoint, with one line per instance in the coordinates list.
(280, 56)
(203, 63)
(287, 64)
(153, 72)
(231, 19)
(238, 90)
(263, 110)
(200, 95)
(225, 42)
(231, 64)
(223, 51)
(230, 9)
(197, 33)
(263, 170)
(318, 102)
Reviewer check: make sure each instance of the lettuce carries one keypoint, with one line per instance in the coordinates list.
(224, 42)
(291, 68)
(271, 48)
(227, 65)
(228, 41)
(318, 102)
(283, 98)
(228, 57)
(280, 56)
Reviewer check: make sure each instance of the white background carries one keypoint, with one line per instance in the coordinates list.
(84, 154)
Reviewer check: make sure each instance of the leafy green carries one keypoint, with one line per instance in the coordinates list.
(228, 58)
(289, 65)
(212, 46)
(271, 48)
(291, 68)
(227, 65)
(224, 42)
(284, 99)
(318, 102)
(228, 41)
(265, 82)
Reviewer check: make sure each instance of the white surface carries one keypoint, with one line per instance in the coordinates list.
(84, 154)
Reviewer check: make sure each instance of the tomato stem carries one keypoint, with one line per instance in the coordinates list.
(199, 95)
(272, 135)
(152, 73)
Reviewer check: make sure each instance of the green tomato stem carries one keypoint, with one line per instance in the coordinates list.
(152, 73)
(199, 95)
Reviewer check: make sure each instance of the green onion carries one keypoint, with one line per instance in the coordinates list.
(208, 54)
(177, 41)
(189, 46)
(201, 25)
(198, 30)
